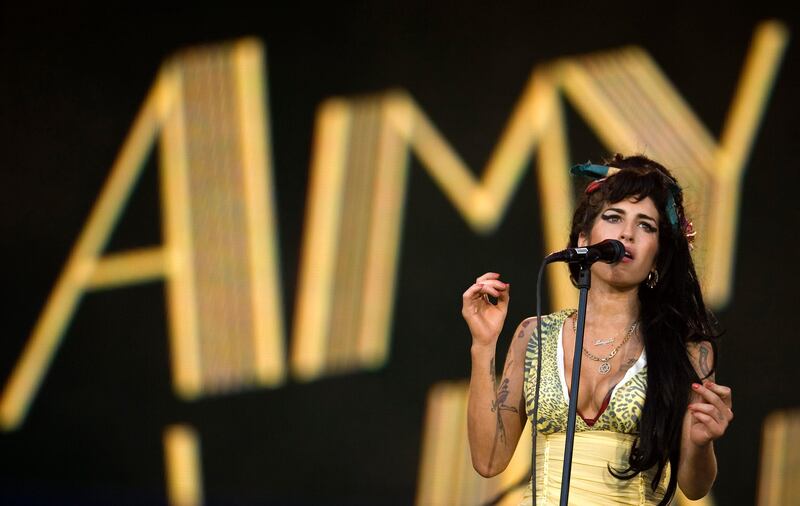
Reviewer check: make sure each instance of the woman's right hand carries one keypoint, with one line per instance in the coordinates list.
(485, 320)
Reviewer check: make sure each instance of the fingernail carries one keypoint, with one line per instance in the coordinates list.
(696, 386)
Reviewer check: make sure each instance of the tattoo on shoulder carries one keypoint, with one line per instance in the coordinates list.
(492, 372)
(522, 331)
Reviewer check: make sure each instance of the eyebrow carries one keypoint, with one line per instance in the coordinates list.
(640, 215)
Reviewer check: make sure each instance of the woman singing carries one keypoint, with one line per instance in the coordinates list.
(649, 409)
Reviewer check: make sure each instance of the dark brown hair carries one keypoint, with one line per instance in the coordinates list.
(673, 313)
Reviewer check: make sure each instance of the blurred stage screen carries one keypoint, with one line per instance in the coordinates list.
(236, 241)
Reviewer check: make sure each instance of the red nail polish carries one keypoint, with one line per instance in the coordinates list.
(695, 386)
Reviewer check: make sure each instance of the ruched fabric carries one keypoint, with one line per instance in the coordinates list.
(591, 483)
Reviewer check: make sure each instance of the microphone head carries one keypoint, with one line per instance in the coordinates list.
(610, 251)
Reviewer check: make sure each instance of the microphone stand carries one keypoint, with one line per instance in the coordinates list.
(584, 283)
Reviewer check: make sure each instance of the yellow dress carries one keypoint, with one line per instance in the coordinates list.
(607, 441)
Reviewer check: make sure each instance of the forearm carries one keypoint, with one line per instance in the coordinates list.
(493, 413)
(493, 424)
(697, 469)
(707, 417)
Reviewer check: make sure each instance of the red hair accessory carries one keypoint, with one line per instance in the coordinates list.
(594, 185)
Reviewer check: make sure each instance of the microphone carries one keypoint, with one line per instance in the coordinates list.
(609, 251)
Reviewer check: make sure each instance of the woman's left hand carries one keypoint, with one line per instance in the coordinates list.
(710, 412)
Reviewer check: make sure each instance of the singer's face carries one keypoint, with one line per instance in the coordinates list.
(635, 224)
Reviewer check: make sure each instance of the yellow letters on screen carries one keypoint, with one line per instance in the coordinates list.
(220, 261)
(220, 254)
(357, 188)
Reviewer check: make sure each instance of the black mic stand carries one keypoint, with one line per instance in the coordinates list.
(584, 283)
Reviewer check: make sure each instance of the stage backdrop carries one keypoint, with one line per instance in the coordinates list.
(235, 240)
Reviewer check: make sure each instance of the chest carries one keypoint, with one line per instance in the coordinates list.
(601, 370)
(624, 391)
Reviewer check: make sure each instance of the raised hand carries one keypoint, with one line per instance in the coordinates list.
(710, 412)
(485, 320)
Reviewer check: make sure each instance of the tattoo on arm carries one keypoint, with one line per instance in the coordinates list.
(502, 396)
(507, 366)
(705, 369)
(499, 405)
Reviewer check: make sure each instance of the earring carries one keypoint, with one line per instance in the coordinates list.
(652, 279)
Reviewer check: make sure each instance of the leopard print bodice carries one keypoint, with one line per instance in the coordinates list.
(627, 399)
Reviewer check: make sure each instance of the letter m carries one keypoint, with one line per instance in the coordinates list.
(356, 198)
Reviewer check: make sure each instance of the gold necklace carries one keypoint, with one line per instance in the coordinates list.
(605, 367)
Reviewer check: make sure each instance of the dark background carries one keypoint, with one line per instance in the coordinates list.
(72, 80)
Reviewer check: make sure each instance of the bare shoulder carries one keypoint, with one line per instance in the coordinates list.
(701, 354)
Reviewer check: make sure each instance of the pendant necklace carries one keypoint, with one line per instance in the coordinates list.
(605, 367)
